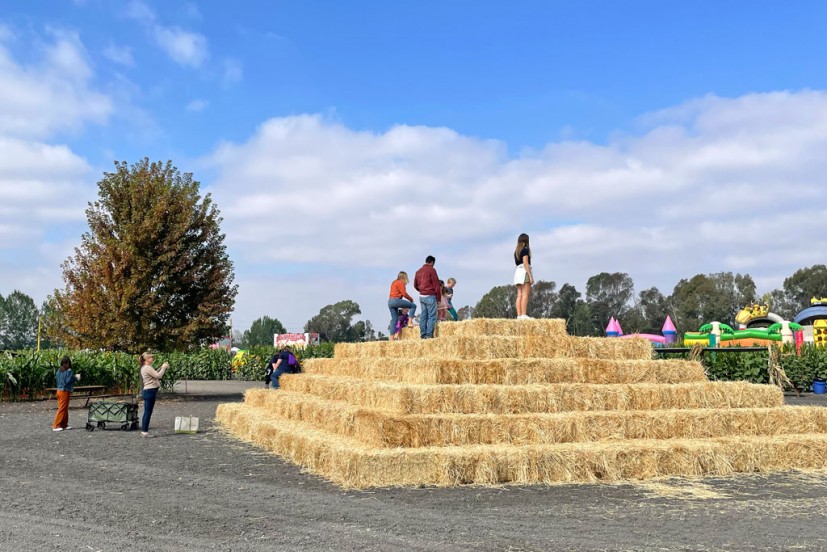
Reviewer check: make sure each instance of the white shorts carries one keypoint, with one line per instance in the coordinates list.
(521, 275)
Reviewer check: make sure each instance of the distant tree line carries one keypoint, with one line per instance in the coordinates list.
(693, 302)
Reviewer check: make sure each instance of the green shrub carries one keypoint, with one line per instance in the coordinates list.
(753, 366)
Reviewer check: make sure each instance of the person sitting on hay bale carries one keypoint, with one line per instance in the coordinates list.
(286, 363)
(399, 299)
(401, 322)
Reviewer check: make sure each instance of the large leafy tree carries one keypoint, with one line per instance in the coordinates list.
(333, 323)
(499, 302)
(152, 271)
(799, 288)
(608, 294)
(542, 300)
(465, 313)
(711, 297)
(648, 314)
(18, 321)
(261, 332)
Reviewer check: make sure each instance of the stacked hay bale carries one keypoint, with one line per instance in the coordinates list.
(494, 401)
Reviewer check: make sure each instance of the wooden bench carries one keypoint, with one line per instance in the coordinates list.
(84, 391)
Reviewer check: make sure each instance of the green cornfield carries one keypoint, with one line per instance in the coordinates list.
(25, 375)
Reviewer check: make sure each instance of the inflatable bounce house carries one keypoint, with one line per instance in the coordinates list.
(725, 336)
(758, 327)
(813, 320)
(670, 334)
(756, 316)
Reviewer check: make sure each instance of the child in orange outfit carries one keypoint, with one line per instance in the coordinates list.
(65, 385)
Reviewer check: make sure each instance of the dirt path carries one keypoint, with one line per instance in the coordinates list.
(111, 490)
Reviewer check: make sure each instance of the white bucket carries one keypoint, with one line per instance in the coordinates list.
(186, 424)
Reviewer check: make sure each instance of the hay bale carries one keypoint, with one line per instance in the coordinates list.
(381, 429)
(479, 327)
(350, 464)
(493, 401)
(486, 347)
(410, 332)
(516, 399)
(509, 371)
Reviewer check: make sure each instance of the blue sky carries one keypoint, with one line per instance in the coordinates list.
(614, 133)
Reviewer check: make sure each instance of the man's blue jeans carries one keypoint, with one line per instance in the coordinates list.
(427, 320)
(394, 305)
(149, 405)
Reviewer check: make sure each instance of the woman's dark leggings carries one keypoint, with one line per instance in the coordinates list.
(149, 404)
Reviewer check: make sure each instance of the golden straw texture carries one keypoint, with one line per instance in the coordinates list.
(515, 399)
(376, 428)
(509, 371)
(348, 463)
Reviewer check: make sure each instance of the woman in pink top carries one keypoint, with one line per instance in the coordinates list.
(152, 382)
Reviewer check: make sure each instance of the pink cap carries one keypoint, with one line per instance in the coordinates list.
(668, 326)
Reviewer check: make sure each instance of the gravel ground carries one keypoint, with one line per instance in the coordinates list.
(110, 490)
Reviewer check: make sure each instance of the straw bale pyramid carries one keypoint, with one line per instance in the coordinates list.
(495, 401)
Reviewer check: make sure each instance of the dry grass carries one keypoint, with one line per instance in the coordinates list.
(379, 429)
(682, 490)
(509, 372)
(482, 348)
(350, 464)
(517, 399)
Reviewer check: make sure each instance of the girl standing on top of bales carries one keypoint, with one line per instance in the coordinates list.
(449, 291)
(152, 382)
(65, 386)
(396, 301)
(523, 278)
(442, 306)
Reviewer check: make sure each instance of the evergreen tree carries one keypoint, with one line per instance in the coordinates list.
(152, 271)
(499, 302)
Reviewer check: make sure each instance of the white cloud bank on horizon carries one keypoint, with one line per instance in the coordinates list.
(712, 185)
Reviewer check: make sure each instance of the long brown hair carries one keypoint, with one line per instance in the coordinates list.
(522, 241)
(403, 276)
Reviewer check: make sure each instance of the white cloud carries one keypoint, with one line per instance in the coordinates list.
(197, 105)
(51, 95)
(714, 184)
(182, 46)
(119, 54)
